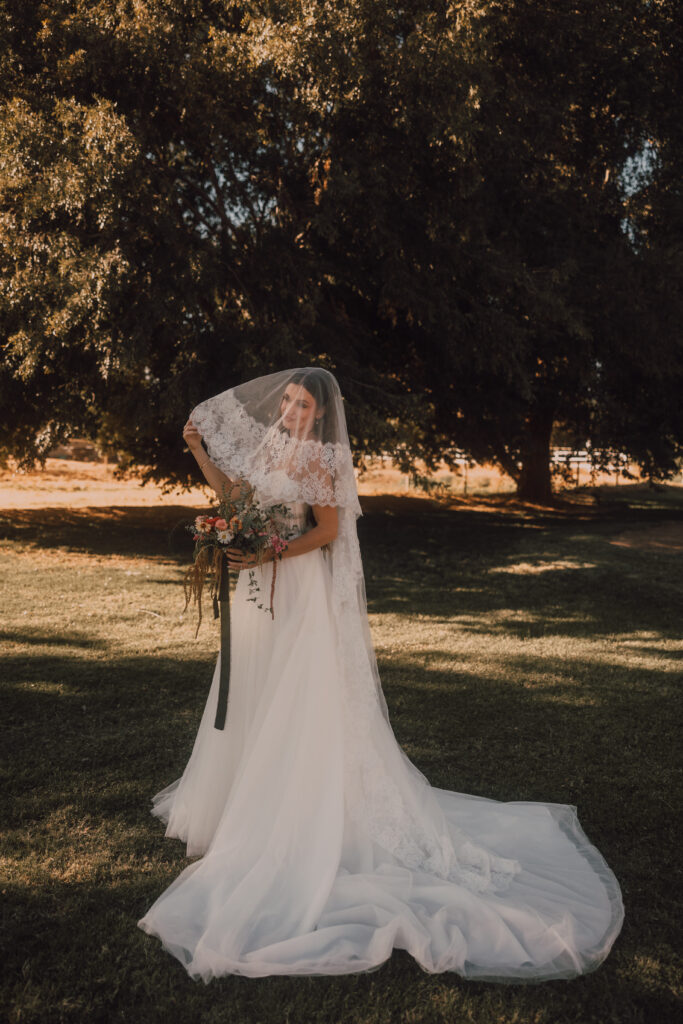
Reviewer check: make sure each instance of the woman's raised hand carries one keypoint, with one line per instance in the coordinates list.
(193, 438)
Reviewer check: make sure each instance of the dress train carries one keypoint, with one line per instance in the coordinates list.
(296, 877)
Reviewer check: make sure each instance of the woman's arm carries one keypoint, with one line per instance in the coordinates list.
(214, 476)
(324, 531)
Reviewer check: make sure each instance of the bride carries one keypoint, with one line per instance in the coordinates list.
(321, 847)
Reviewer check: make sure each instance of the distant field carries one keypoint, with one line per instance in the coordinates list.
(78, 483)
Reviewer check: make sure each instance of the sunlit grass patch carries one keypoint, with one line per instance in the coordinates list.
(523, 568)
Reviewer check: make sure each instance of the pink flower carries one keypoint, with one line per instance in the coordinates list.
(221, 524)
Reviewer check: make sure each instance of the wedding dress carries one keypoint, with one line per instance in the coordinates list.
(321, 846)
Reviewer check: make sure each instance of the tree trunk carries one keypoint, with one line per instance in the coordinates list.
(534, 479)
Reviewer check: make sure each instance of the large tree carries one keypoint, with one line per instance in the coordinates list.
(580, 214)
(427, 198)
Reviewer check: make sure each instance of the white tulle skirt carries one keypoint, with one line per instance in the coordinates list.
(290, 883)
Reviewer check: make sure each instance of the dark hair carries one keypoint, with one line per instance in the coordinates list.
(317, 383)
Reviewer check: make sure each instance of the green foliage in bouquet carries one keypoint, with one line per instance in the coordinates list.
(241, 522)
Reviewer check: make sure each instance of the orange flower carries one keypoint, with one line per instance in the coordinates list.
(235, 524)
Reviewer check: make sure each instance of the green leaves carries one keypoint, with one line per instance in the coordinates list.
(433, 201)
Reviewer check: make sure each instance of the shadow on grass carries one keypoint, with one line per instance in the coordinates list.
(70, 724)
(29, 635)
(161, 530)
(500, 578)
(106, 530)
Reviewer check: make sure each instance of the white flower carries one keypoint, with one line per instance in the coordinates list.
(224, 536)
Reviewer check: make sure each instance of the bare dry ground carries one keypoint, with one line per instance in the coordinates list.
(75, 484)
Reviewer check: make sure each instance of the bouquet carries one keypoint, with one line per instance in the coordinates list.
(239, 522)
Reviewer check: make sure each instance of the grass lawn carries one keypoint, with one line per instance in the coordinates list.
(524, 656)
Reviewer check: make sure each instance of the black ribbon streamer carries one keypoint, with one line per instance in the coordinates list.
(223, 599)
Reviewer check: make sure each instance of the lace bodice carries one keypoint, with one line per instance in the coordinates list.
(298, 519)
(276, 488)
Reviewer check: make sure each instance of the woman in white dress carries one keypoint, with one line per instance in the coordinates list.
(322, 847)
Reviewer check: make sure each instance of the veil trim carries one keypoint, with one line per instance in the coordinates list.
(320, 473)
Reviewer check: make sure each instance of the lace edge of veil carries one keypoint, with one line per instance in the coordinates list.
(319, 473)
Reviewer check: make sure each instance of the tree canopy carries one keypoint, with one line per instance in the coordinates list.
(470, 212)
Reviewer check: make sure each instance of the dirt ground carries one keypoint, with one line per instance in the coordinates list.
(76, 484)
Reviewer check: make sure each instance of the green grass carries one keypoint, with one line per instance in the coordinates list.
(522, 658)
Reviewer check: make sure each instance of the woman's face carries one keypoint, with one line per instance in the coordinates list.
(298, 409)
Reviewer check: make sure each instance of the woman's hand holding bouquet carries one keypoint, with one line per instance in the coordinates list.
(243, 534)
